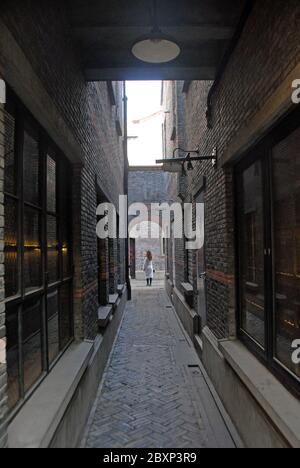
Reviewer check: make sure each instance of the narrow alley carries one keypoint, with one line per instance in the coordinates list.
(154, 393)
(150, 143)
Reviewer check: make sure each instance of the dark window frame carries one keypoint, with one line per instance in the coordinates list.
(45, 147)
(263, 152)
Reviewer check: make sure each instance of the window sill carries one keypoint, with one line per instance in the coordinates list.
(281, 407)
(104, 316)
(35, 425)
(188, 289)
(121, 289)
(114, 300)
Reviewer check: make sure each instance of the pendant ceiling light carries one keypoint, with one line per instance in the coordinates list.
(156, 47)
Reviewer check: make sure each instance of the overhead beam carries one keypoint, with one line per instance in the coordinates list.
(170, 23)
(154, 73)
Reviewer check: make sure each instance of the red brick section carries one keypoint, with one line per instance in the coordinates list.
(104, 271)
(220, 277)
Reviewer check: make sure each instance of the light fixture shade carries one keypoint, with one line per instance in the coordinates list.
(156, 50)
(172, 167)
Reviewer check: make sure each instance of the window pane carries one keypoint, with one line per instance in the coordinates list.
(286, 186)
(9, 153)
(66, 255)
(65, 222)
(51, 184)
(11, 247)
(12, 356)
(31, 168)
(53, 325)
(52, 249)
(32, 342)
(32, 250)
(65, 315)
(252, 253)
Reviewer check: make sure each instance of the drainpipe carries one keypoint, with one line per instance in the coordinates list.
(126, 172)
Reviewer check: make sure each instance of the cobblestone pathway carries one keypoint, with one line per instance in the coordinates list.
(153, 394)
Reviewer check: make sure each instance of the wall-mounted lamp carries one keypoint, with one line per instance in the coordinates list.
(177, 164)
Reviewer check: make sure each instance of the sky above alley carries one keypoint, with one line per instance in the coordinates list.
(145, 120)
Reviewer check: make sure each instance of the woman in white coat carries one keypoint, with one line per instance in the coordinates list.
(148, 268)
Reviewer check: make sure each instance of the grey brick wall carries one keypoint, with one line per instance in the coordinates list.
(174, 106)
(263, 58)
(3, 398)
(265, 55)
(147, 185)
(42, 30)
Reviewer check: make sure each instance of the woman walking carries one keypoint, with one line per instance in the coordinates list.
(148, 268)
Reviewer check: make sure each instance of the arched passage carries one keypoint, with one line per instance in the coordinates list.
(145, 236)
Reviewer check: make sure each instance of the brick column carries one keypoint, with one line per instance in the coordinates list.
(122, 262)
(104, 271)
(113, 268)
(3, 377)
(119, 263)
(77, 258)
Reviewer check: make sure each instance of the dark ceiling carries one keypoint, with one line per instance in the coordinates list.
(105, 30)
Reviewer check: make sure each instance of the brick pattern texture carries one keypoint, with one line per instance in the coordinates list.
(42, 30)
(174, 106)
(264, 56)
(3, 380)
(150, 397)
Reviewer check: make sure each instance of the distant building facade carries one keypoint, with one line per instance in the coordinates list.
(147, 185)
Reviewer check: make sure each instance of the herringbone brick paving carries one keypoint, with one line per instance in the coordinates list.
(153, 394)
